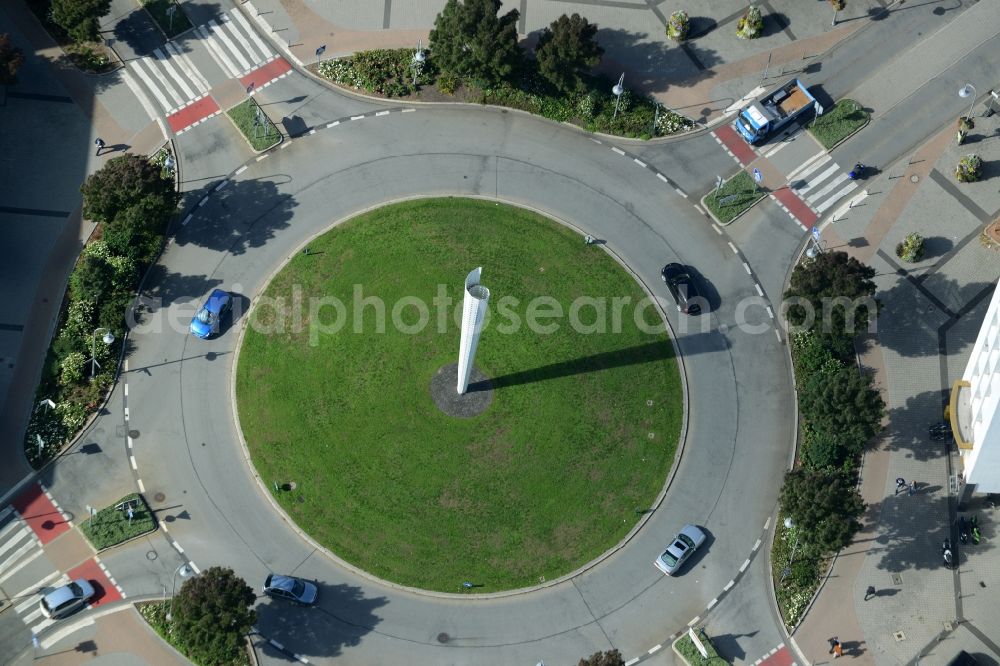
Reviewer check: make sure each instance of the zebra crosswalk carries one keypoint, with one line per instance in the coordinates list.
(168, 79)
(820, 182)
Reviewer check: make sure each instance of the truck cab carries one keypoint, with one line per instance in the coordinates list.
(774, 111)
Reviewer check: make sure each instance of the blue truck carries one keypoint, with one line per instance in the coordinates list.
(775, 110)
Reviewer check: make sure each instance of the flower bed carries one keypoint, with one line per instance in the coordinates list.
(111, 525)
(736, 195)
(688, 651)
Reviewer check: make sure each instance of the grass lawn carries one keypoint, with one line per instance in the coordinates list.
(690, 652)
(110, 526)
(580, 435)
(742, 188)
(845, 118)
(158, 10)
(243, 115)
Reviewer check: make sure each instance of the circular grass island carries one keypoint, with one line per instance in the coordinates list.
(334, 391)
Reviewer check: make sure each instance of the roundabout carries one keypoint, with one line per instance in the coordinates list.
(580, 426)
(731, 363)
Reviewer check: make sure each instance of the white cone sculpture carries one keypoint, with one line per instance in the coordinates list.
(473, 314)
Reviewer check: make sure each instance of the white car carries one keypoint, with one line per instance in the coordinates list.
(685, 543)
(67, 599)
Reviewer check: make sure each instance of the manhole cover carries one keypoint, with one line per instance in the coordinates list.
(443, 638)
(914, 178)
(897, 579)
(899, 636)
(134, 434)
(159, 497)
(151, 555)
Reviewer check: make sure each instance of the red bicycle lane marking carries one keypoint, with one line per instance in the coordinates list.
(263, 75)
(40, 513)
(783, 657)
(193, 113)
(735, 144)
(796, 207)
(105, 588)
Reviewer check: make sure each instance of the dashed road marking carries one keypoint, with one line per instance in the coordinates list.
(616, 149)
(639, 162)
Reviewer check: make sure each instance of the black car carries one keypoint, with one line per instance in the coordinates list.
(682, 287)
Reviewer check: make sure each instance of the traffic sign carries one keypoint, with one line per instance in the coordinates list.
(815, 232)
(757, 176)
(321, 50)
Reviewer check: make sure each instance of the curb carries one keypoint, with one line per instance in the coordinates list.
(262, 486)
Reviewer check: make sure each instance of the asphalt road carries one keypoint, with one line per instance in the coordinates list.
(740, 405)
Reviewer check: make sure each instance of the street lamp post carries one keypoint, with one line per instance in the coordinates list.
(968, 90)
(617, 90)
(107, 339)
(789, 525)
(184, 571)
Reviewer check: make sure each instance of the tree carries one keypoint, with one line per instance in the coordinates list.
(834, 295)
(92, 279)
(824, 507)
(609, 658)
(844, 405)
(211, 614)
(470, 39)
(566, 50)
(11, 60)
(136, 231)
(79, 17)
(122, 182)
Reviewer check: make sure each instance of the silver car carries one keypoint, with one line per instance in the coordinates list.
(67, 599)
(685, 543)
(290, 589)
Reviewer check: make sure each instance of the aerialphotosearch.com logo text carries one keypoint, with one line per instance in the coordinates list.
(319, 316)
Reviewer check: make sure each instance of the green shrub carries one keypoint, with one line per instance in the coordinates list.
(911, 248)
(585, 107)
(447, 83)
(111, 526)
(678, 26)
(751, 24)
(969, 169)
(811, 356)
(72, 368)
(385, 72)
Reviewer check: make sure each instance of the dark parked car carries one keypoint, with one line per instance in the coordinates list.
(290, 589)
(682, 287)
(206, 322)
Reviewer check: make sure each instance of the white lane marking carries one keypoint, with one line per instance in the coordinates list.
(695, 621)
(240, 170)
(6, 512)
(236, 53)
(760, 292)
(746, 267)
(333, 124)
(11, 526)
(63, 632)
(663, 178)
(655, 649)
(770, 312)
(163, 526)
(312, 131)
(777, 335)
(729, 586)
(187, 219)
(164, 104)
(698, 208)
(733, 248)
(162, 58)
(618, 150)
(767, 522)
(632, 662)
(276, 644)
(408, 110)
(34, 587)
(132, 460)
(781, 144)
(221, 185)
(678, 190)
(381, 113)
(716, 228)
(829, 187)
(238, 15)
(755, 546)
(800, 171)
(712, 603)
(836, 197)
(639, 162)
(177, 546)
(17, 554)
(218, 55)
(230, 27)
(745, 565)
(142, 488)
(195, 567)
(20, 565)
(150, 63)
(200, 82)
(357, 117)
(813, 182)
(264, 156)
(42, 626)
(285, 145)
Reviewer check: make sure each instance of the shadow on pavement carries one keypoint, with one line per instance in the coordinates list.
(341, 618)
(654, 66)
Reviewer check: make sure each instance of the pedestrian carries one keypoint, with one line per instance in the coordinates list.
(99, 142)
(913, 488)
(870, 592)
(900, 484)
(833, 644)
(838, 650)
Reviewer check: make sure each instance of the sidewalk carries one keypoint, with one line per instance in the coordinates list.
(931, 314)
(119, 636)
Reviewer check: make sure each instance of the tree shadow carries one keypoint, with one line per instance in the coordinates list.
(699, 26)
(654, 66)
(908, 426)
(136, 35)
(774, 23)
(341, 617)
(937, 246)
(907, 537)
(165, 288)
(244, 214)
(728, 646)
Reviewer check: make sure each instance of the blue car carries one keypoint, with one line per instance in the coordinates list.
(206, 323)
